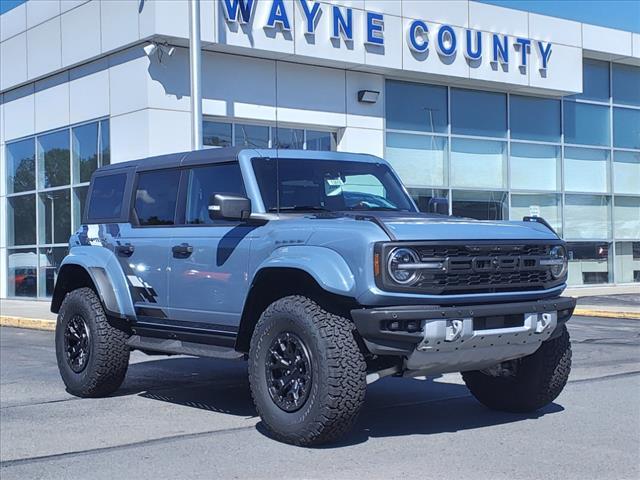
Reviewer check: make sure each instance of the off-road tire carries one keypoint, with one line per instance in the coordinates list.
(108, 357)
(539, 379)
(338, 372)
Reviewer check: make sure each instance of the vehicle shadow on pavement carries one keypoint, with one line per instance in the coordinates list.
(393, 406)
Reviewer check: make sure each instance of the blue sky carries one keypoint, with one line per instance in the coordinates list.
(622, 14)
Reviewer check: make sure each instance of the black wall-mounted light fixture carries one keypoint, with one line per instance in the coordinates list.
(368, 96)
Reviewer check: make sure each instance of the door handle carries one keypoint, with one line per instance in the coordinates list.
(125, 250)
(183, 250)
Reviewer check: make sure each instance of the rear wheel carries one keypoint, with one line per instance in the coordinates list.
(307, 374)
(526, 384)
(92, 355)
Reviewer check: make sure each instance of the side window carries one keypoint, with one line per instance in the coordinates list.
(207, 181)
(107, 197)
(156, 197)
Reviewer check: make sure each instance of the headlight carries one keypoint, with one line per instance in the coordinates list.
(558, 261)
(399, 265)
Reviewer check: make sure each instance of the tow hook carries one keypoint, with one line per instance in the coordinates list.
(453, 330)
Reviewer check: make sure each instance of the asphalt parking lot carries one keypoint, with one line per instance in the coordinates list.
(183, 417)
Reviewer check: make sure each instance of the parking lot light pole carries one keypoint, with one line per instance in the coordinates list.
(195, 56)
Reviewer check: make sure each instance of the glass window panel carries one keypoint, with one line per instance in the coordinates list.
(626, 128)
(22, 269)
(420, 160)
(547, 206)
(478, 163)
(105, 145)
(480, 205)
(80, 199)
(54, 159)
(586, 170)
(84, 151)
(216, 134)
(21, 166)
(535, 167)
(21, 216)
(626, 172)
(478, 113)
(55, 216)
(626, 84)
(587, 216)
(415, 106)
(535, 118)
(156, 197)
(628, 262)
(207, 181)
(107, 197)
(319, 141)
(586, 124)
(595, 80)
(50, 260)
(626, 215)
(254, 136)
(426, 198)
(589, 263)
(289, 138)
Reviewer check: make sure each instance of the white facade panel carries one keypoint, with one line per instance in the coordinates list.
(566, 62)
(128, 71)
(169, 131)
(164, 17)
(365, 115)
(208, 20)
(168, 84)
(311, 95)
(388, 7)
(43, 48)
(636, 45)
(239, 86)
(66, 5)
(439, 11)
(388, 55)
(41, 11)
(362, 140)
(118, 24)
(129, 136)
(555, 30)
(13, 22)
(89, 91)
(52, 102)
(491, 18)
(19, 111)
(511, 73)
(13, 61)
(81, 33)
(606, 40)
(359, 4)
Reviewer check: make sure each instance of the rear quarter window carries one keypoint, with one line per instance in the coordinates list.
(107, 197)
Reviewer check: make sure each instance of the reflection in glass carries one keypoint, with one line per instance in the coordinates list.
(426, 198)
(55, 216)
(587, 216)
(626, 172)
(628, 262)
(478, 163)
(50, 260)
(156, 197)
(321, 141)
(589, 263)
(626, 84)
(626, 128)
(84, 151)
(22, 267)
(586, 124)
(80, 199)
(216, 134)
(289, 138)
(105, 144)
(21, 166)
(253, 136)
(481, 205)
(420, 160)
(415, 106)
(21, 216)
(547, 206)
(595, 80)
(534, 118)
(54, 159)
(626, 216)
(586, 170)
(478, 113)
(204, 182)
(535, 167)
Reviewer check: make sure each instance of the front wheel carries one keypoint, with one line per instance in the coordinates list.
(525, 384)
(307, 374)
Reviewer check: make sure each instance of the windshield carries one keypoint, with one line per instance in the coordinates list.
(289, 184)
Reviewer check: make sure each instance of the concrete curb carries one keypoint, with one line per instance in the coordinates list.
(588, 312)
(32, 323)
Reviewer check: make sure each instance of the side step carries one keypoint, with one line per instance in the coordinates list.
(178, 347)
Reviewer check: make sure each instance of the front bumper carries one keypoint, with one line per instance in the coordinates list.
(437, 339)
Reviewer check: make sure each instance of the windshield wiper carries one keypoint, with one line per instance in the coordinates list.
(300, 208)
(379, 209)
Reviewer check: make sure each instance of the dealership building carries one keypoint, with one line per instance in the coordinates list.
(502, 112)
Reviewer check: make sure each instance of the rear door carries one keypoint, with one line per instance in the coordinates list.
(210, 258)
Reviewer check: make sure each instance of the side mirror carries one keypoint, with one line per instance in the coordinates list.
(438, 205)
(229, 207)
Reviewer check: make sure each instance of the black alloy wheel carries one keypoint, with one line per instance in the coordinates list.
(77, 343)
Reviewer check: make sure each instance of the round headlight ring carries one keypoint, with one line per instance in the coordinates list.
(559, 252)
(399, 256)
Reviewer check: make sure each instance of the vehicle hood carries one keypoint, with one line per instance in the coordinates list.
(438, 227)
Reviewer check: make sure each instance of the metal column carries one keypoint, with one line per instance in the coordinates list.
(195, 68)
